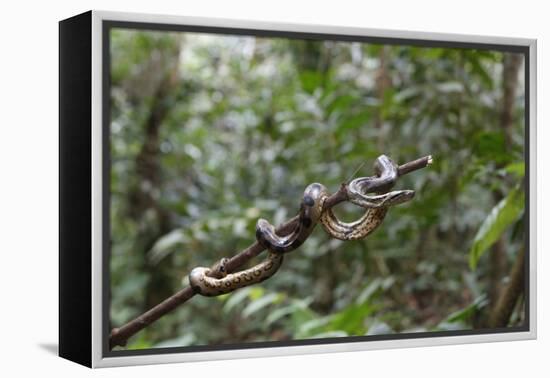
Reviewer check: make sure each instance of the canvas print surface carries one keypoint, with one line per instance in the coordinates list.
(210, 132)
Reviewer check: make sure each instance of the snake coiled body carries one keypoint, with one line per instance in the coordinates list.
(365, 225)
(376, 205)
(215, 281)
(310, 212)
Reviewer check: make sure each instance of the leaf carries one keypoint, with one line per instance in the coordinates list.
(478, 69)
(313, 326)
(328, 334)
(310, 80)
(373, 287)
(260, 303)
(450, 86)
(355, 121)
(445, 326)
(379, 328)
(236, 298)
(506, 212)
(279, 313)
(256, 293)
(341, 102)
(490, 146)
(517, 169)
(369, 290)
(185, 340)
(166, 244)
(465, 314)
(302, 316)
(140, 342)
(407, 94)
(352, 319)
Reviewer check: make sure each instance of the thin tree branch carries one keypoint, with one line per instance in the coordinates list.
(120, 336)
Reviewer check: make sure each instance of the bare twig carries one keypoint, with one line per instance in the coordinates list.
(119, 336)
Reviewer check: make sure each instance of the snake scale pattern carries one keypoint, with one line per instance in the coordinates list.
(376, 205)
(310, 212)
(215, 280)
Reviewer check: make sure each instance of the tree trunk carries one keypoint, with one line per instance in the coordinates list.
(383, 82)
(511, 65)
(152, 218)
(506, 303)
(498, 259)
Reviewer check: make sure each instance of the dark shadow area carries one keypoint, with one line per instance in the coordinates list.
(50, 348)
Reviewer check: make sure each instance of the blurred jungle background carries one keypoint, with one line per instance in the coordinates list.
(210, 132)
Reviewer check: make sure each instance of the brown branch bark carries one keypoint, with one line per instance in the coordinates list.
(119, 336)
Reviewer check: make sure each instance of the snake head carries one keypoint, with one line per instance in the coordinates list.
(312, 203)
(398, 196)
(383, 200)
(218, 270)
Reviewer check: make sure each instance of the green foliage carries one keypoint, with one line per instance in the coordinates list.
(261, 303)
(211, 132)
(464, 315)
(504, 214)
